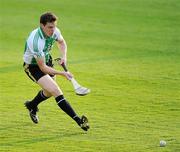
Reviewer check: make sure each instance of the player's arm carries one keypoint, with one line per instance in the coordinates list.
(63, 49)
(61, 43)
(48, 70)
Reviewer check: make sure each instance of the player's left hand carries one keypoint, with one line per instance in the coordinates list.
(63, 60)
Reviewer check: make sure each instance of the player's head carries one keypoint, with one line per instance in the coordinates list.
(48, 23)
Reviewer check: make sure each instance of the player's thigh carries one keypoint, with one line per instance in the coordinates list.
(48, 84)
(47, 93)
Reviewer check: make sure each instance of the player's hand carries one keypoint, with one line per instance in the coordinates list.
(63, 61)
(68, 75)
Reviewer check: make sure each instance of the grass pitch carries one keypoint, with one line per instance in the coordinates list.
(126, 51)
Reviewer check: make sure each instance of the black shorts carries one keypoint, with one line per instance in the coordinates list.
(34, 72)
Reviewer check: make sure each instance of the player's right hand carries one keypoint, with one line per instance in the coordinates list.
(68, 75)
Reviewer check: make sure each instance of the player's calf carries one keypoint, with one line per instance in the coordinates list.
(66, 107)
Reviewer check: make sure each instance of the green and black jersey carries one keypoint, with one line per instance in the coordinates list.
(39, 45)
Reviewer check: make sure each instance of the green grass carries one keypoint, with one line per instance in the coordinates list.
(126, 51)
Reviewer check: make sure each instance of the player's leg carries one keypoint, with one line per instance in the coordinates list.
(45, 92)
(47, 83)
(50, 87)
(32, 105)
(34, 73)
(41, 96)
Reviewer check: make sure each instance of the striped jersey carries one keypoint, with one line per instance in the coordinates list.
(39, 45)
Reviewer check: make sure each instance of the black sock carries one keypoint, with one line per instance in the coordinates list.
(66, 107)
(38, 99)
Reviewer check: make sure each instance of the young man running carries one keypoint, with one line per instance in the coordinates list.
(38, 66)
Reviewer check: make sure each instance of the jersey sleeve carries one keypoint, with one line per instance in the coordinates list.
(36, 46)
(38, 50)
(58, 35)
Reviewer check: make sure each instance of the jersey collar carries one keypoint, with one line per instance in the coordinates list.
(42, 34)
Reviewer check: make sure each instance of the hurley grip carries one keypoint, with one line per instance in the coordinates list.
(64, 67)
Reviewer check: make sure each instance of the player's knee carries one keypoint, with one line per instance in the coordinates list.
(55, 91)
(46, 93)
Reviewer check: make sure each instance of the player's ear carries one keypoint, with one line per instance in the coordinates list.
(41, 25)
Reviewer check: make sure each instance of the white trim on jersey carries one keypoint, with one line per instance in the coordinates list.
(30, 50)
(36, 43)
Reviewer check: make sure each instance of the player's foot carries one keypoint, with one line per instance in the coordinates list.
(84, 123)
(32, 112)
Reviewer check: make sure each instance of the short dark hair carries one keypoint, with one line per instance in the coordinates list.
(47, 17)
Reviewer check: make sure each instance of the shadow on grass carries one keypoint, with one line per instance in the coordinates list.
(26, 140)
(41, 139)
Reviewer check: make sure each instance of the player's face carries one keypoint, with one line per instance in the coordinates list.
(49, 28)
